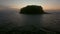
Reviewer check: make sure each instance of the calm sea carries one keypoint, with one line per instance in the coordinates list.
(12, 19)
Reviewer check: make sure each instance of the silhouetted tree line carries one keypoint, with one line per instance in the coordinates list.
(32, 9)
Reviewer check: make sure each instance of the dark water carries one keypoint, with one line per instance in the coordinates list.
(10, 20)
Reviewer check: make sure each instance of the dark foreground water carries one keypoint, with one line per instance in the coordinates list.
(12, 21)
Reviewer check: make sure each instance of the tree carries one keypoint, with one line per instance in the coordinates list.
(32, 9)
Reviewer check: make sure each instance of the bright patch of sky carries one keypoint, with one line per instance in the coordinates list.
(50, 4)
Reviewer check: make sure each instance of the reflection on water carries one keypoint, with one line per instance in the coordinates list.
(31, 21)
(48, 21)
(13, 20)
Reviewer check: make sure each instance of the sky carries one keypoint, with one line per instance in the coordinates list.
(46, 4)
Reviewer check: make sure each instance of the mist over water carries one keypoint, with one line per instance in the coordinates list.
(10, 19)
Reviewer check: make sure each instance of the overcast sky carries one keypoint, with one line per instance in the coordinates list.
(46, 4)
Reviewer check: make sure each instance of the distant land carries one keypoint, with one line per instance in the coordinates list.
(32, 9)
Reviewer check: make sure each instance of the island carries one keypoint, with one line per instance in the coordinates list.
(32, 9)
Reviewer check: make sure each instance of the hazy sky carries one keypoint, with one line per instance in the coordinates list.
(46, 4)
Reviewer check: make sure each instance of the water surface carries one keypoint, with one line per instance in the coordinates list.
(13, 20)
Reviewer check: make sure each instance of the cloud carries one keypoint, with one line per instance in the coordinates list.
(6, 7)
(2, 7)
